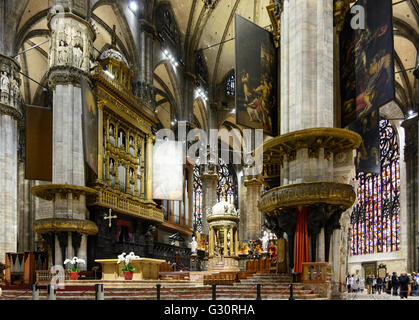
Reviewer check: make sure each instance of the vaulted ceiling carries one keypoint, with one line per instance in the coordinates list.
(202, 28)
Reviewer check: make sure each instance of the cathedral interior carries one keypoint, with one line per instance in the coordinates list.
(87, 85)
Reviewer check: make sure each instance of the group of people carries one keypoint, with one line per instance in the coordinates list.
(403, 285)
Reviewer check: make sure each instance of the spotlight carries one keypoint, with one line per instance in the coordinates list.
(166, 52)
(172, 123)
(133, 5)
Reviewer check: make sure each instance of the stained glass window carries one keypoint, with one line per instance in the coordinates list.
(231, 86)
(375, 220)
(226, 185)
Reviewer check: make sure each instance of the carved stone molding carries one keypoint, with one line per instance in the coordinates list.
(63, 75)
(332, 140)
(307, 194)
(55, 225)
(50, 191)
(11, 111)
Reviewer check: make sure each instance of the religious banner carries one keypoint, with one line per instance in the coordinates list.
(38, 147)
(256, 77)
(368, 154)
(367, 62)
(90, 126)
(168, 170)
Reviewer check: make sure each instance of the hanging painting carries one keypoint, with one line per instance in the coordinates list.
(367, 62)
(256, 77)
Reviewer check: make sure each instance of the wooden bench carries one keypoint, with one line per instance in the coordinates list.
(174, 275)
(226, 278)
(165, 267)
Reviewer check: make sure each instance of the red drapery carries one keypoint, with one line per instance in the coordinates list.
(301, 253)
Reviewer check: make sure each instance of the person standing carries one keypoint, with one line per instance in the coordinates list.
(379, 284)
(369, 282)
(355, 285)
(416, 293)
(374, 284)
(349, 282)
(413, 283)
(404, 281)
(388, 283)
(395, 283)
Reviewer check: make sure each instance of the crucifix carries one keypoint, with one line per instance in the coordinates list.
(110, 217)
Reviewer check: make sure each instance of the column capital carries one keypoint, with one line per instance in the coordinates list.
(252, 182)
(10, 96)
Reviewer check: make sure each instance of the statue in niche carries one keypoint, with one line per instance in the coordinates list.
(15, 92)
(4, 87)
(265, 241)
(77, 57)
(131, 180)
(62, 53)
(121, 139)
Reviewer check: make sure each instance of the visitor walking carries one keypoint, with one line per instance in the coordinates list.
(355, 285)
(404, 281)
(369, 282)
(395, 283)
(379, 284)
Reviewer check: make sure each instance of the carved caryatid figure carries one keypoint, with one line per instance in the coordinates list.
(15, 92)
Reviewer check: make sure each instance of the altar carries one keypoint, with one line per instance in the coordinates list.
(145, 269)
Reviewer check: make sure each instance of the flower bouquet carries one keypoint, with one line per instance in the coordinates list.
(73, 271)
(128, 269)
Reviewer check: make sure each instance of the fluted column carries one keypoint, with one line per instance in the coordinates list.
(10, 114)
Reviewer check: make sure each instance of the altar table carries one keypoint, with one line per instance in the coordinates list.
(145, 269)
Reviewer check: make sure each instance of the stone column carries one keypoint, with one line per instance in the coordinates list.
(411, 159)
(10, 115)
(69, 60)
(253, 225)
(209, 193)
(306, 82)
(225, 252)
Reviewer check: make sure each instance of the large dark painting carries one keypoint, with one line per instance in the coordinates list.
(366, 62)
(368, 154)
(38, 145)
(90, 126)
(256, 77)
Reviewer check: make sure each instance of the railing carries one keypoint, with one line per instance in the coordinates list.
(52, 292)
(113, 201)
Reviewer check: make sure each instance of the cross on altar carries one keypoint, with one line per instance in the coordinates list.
(110, 217)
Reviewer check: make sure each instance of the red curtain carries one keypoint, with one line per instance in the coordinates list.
(301, 253)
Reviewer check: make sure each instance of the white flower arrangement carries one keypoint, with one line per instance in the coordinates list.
(127, 260)
(74, 263)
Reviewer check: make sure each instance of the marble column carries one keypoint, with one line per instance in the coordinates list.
(71, 41)
(10, 115)
(306, 82)
(412, 189)
(253, 225)
(209, 194)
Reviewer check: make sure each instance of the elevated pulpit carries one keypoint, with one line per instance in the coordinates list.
(145, 269)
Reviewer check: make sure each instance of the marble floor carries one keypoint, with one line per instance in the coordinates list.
(365, 296)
